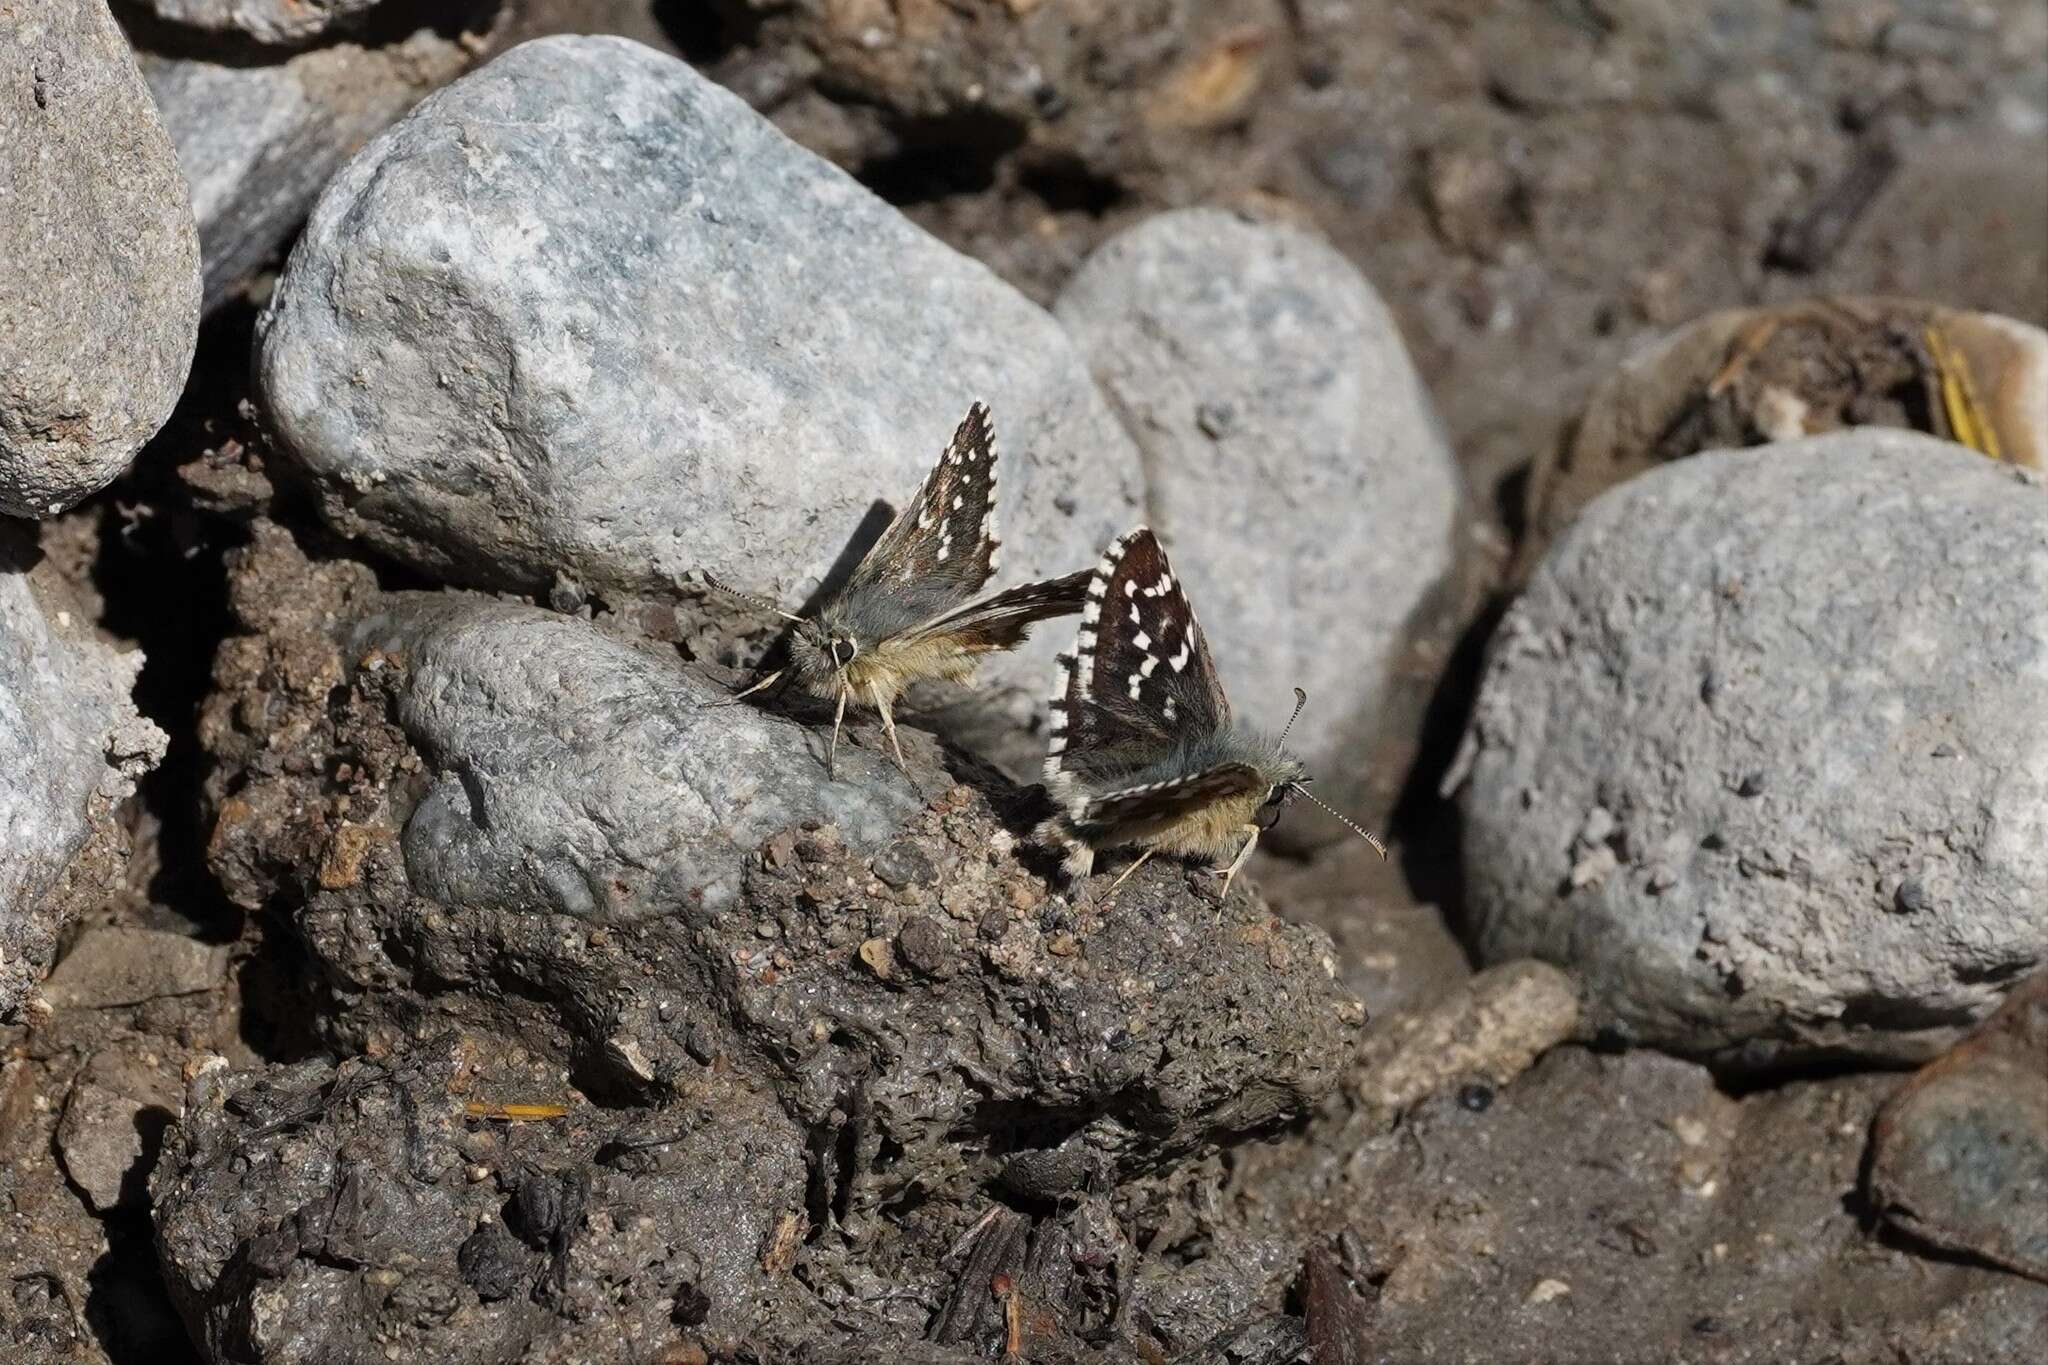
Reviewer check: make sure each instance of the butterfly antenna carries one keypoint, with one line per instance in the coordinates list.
(1300, 700)
(751, 599)
(1346, 821)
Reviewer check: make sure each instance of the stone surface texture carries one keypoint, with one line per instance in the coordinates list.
(99, 260)
(113, 1124)
(584, 313)
(258, 140)
(111, 966)
(575, 775)
(1959, 1157)
(1295, 471)
(71, 748)
(1758, 755)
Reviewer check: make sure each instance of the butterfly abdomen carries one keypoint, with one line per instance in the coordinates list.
(1213, 831)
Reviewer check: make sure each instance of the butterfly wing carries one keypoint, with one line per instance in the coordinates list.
(942, 546)
(1002, 621)
(1158, 804)
(1140, 679)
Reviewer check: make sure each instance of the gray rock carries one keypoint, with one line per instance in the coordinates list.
(110, 965)
(71, 748)
(267, 21)
(584, 313)
(99, 262)
(1744, 701)
(1295, 471)
(257, 141)
(114, 1121)
(575, 775)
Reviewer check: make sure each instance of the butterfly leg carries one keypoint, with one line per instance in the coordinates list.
(832, 748)
(1236, 864)
(736, 698)
(1143, 858)
(888, 725)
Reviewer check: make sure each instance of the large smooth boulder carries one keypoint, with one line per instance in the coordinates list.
(584, 313)
(1760, 754)
(99, 259)
(1296, 472)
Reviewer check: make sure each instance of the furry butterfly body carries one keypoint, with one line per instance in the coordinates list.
(1144, 751)
(908, 613)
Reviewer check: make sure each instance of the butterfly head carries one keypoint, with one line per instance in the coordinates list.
(823, 651)
(1291, 778)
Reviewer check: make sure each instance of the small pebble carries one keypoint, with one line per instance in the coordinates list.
(1216, 420)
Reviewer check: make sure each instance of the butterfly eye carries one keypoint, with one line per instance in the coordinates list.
(844, 651)
(1269, 811)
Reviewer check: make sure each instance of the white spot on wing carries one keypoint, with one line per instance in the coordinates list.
(1142, 640)
(1136, 679)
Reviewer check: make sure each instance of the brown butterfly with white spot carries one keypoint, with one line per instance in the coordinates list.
(906, 613)
(1143, 751)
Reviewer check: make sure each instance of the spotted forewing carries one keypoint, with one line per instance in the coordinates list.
(944, 540)
(1139, 685)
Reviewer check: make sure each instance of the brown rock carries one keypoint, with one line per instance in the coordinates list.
(1748, 376)
(1959, 1157)
(114, 1121)
(111, 966)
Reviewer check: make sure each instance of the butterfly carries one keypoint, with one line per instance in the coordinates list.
(907, 612)
(1142, 750)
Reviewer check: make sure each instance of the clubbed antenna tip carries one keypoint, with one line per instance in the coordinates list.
(1346, 821)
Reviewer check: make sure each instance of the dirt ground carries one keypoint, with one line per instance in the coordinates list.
(1536, 189)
